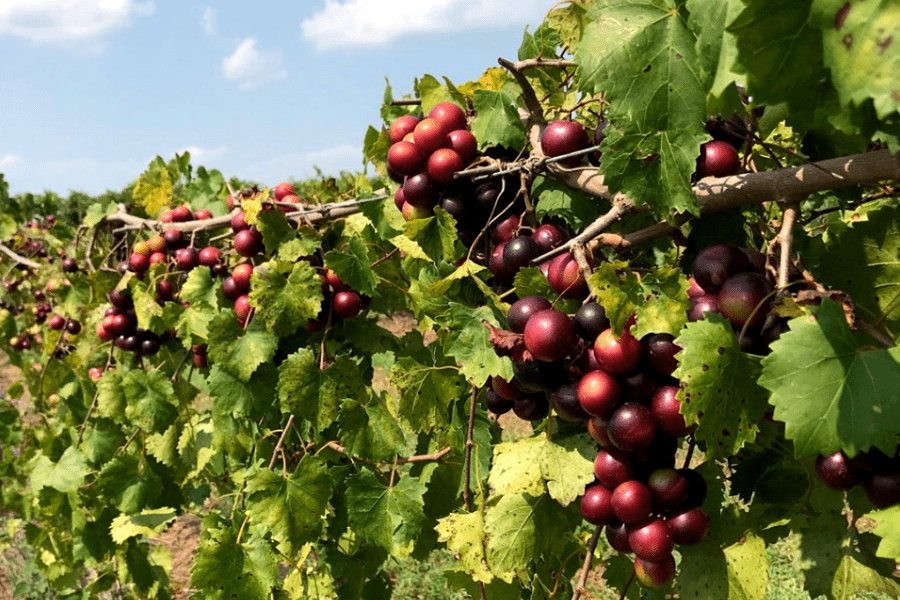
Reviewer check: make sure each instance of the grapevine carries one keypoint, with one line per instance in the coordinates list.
(620, 314)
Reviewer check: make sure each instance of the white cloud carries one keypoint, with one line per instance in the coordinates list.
(67, 21)
(251, 67)
(209, 21)
(10, 161)
(377, 22)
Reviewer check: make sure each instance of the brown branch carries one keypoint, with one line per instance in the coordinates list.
(586, 566)
(18, 257)
(785, 240)
(281, 439)
(470, 445)
(401, 460)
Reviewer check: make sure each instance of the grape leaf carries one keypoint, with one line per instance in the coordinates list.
(231, 396)
(425, 392)
(830, 393)
(535, 465)
(285, 295)
(658, 300)
(464, 535)
(147, 523)
(497, 121)
(853, 578)
(556, 199)
(781, 54)
(435, 235)
(719, 390)
(275, 229)
(65, 475)
(129, 486)
(290, 509)
(239, 351)
(389, 517)
(149, 312)
(431, 92)
(642, 56)
(201, 289)
(227, 566)
(748, 568)
(370, 430)
(353, 266)
(736, 572)
(861, 48)
(888, 528)
(312, 394)
(861, 259)
(150, 399)
(716, 51)
(513, 525)
(470, 343)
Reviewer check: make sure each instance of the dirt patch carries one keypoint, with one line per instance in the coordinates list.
(181, 540)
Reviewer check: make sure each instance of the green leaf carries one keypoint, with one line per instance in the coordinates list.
(556, 199)
(149, 312)
(537, 465)
(643, 57)
(853, 578)
(290, 509)
(861, 48)
(239, 351)
(780, 53)
(431, 92)
(388, 517)
(275, 229)
(353, 266)
(370, 430)
(736, 572)
(315, 395)
(861, 260)
(425, 392)
(830, 393)
(129, 486)
(464, 535)
(470, 344)
(888, 528)
(200, 289)
(148, 523)
(719, 390)
(285, 296)
(150, 398)
(658, 300)
(716, 52)
(513, 528)
(435, 235)
(226, 567)
(497, 121)
(65, 475)
(231, 396)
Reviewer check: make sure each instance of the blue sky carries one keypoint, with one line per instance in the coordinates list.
(92, 90)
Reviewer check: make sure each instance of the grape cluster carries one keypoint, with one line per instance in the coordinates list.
(877, 473)
(623, 390)
(425, 155)
(734, 282)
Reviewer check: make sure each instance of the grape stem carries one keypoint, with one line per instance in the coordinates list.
(586, 566)
(785, 240)
(287, 428)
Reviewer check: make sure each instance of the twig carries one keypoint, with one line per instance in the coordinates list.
(470, 445)
(281, 439)
(19, 258)
(785, 239)
(586, 566)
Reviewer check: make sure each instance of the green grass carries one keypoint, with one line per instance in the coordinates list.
(414, 580)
